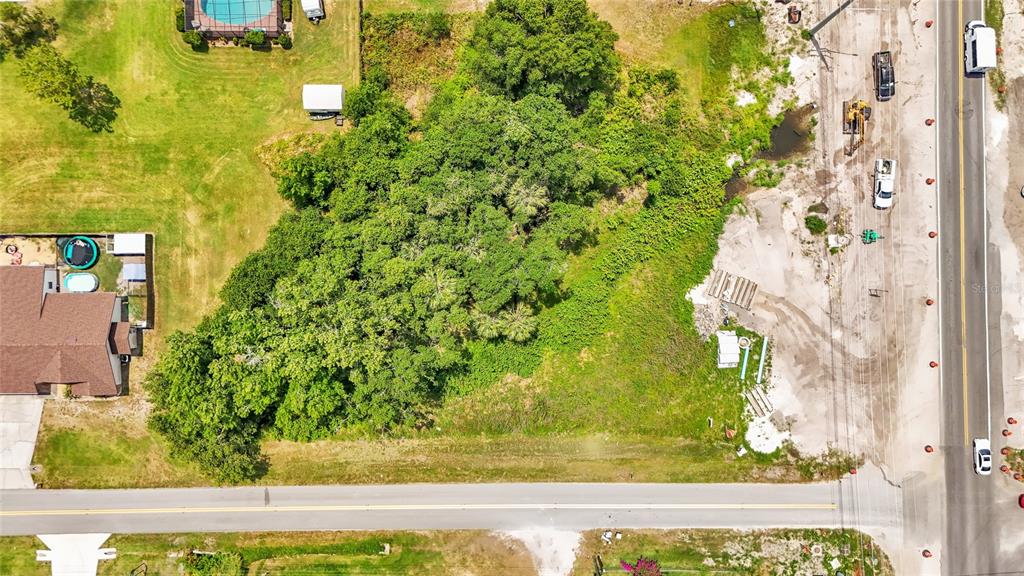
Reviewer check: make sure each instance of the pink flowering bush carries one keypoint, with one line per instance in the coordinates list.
(642, 567)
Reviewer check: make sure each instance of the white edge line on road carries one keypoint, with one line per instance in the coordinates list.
(411, 507)
(938, 220)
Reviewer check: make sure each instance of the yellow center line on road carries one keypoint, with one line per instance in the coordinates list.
(963, 277)
(408, 507)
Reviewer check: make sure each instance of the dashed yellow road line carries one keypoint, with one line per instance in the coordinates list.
(408, 507)
(963, 273)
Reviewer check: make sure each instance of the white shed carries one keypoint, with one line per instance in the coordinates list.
(129, 244)
(323, 99)
(728, 349)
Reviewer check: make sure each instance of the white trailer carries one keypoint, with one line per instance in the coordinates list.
(313, 9)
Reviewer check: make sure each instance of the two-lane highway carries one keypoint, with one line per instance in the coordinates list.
(439, 506)
(971, 391)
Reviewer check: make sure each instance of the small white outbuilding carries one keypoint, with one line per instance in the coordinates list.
(728, 349)
(323, 100)
(129, 245)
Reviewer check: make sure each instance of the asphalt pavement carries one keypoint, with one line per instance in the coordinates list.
(445, 506)
(971, 391)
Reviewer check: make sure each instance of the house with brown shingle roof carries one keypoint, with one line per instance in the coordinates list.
(49, 337)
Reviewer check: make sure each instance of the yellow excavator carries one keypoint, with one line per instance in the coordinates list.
(855, 115)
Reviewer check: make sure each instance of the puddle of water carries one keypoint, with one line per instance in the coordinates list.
(787, 139)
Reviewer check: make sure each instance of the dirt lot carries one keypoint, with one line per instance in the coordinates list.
(852, 336)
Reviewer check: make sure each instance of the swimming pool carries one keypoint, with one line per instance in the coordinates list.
(238, 12)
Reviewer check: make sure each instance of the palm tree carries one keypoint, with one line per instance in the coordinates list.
(525, 201)
(519, 323)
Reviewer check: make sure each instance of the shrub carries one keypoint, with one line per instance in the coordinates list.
(436, 26)
(219, 564)
(179, 18)
(193, 38)
(816, 225)
(255, 38)
(767, 178)
(286, 10)
(286, 41)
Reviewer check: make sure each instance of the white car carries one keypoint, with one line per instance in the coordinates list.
(885, 183)
(982, 456)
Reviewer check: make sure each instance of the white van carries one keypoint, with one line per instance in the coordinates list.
(979, 48)
(313, 9)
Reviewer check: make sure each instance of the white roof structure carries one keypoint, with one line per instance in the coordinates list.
(728, 349)
(308, 5)
(322, 97)
(134, 272)
(125, 244)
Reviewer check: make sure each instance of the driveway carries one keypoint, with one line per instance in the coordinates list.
(19, 426)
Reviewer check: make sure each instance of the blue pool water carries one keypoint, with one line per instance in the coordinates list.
(237, 11)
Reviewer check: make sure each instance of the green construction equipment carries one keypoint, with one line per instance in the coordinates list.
(869, 236)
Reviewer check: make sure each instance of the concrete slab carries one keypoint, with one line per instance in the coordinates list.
(19, 426)
(74, 554)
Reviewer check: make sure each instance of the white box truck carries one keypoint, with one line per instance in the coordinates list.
(313, 9)
(885, 183)
(979, 48)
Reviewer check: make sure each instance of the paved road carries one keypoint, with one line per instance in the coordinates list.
(976, 507)
(440, 506)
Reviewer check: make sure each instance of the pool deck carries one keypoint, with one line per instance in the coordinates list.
(197, 19)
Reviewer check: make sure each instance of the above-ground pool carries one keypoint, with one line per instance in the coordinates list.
(238, 12)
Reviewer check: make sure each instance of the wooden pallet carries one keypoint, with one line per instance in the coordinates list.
(759, 403)
(732, 289)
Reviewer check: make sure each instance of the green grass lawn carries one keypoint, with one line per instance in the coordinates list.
(181, 162)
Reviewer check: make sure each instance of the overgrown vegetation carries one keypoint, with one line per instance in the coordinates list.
(994, 18)
(739, 552)
(415, 51)
(433, 257)
(815, 225)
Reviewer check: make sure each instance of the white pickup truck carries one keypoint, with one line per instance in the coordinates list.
(885, 183)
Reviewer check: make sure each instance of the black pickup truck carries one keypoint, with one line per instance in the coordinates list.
(885, 75)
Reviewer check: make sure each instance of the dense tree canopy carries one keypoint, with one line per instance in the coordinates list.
(414, 241)
(552, 47)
